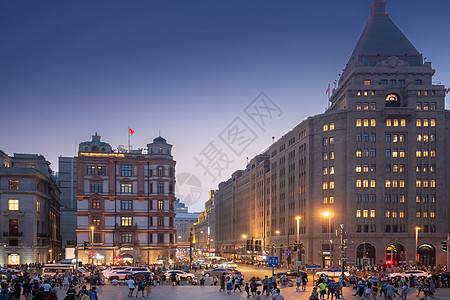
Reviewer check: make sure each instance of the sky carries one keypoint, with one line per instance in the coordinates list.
(189, 70)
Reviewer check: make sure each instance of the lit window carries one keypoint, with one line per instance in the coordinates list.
(418, 153)
(160, 204)
(366, 123)
(373, 105)
(425, 152)
(388, 214)
(372, 213)
(419, 137)
(13, 185)
(331, 140)
(325, 156)
(394, 214)
(366, 93)
(96, 221)
(394, 183)
(90, 170)
(425, 122)
(372, 183)
(365, 183)
(38, 206)
(388, 183)
(418, 214)
(331, 200)
(419, 122)
(358, 105)
(372, 122)
(325, 171)
(325, 127)
(358, 183)
(331, 185)
(419, 106)
(96, 204)
(324, 185)
(331, 170)
(395, 122)
(358, 122)
(365, 213)
(358, 213)
(126, 221)
(418, 183)
(425, 214)
(388, 122)
(331, 126)
(324, 200)
(402, 214)
(358, 169)
(13, 204)
(433, 153)
(332, 155)
(401, 138)
(366, 168)
(402, 122)
(402, 198)
(366, 106)
(395, 168)
(367, 82)
(432, 214)
(125, 188)
(395, 138)
(425, 183)
(394, 153)
(358, 93)
(358, 153)
(402, 183)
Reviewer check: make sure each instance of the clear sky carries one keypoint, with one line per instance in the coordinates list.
(187, 68)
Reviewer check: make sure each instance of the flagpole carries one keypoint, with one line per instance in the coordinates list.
(129, 135)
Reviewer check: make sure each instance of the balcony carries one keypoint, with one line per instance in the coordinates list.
(12, 234)
(43, 235)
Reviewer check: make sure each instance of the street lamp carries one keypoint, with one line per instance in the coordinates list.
(50, 255)
(417, 250)
(298, 242)
(92, 240)
(328, 214)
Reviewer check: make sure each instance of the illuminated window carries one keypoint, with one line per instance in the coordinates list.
(372, 183)
(325, 127)
(358, 153)
(96, 204)
(358, 183)
(13, 204)
(325, 156)
(331, 126)
(366, 168)
(90, 170)
(13, 185)
(358, 169)
(388, 214)
(358, 122)
(418, 183)
(358, 93)
(388, 183)
(331, 200)
(425, 214)
(358, 105)
(402, 198)
(394, 153)
(366, 93)
(394, 183)
(331, 140)
(418, 198)
(433, 153)
(425, 183)
(125, 188)
(419, 137)
(325, 171)
(395, 138)
(394, 214)
(395, 122)
(425, 152)
(419, 106)
(324, 200)
(365, 213)
(365, 183)
(418, 153)
(366, 123)
(373, 122)
(373, 105)
(96, 221)
(395, 168)
(331, 170)
(331, 185)
(160, 204)
(332, 155)
(372, 213)
(388, 122)
(432, 214)
(402, 183)
(126, 221)
(101, 170)
(425, 122)
(402, 122)
(418, 214)
(38, 206)
(367, 82)
(419, 122)
(324, 185)
(402, 214)
(401, 138)
(358, 213)
(402, 153)
(366, 106)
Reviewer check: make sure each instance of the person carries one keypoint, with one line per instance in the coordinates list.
(253, 288)
(247, 289)
(331, 289)
(304, 281)
(258, 295)
(130, 283)
(141, 287)
(298, 280)
(229, 285)
(173, 277)
(277, 295)
(5, 291)
(314, 294)
(93, 294)
(222, 282)
(405, 291)
(265, 283)
(83, 292)
(323, 290)
(390, 291)
(71, 292)
(148, 286)
(237, 285)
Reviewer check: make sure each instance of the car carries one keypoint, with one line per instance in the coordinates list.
(108, 272)
(145, 275)
(332, 272)
(230, 265)
(291, 274)
(257, 280)
(217, 272)
(137, 269)
(409, 273)
(180, 274)
(120, 275)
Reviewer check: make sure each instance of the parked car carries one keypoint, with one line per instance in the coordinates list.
(291, 274)
(180, 273)
(120, 275)
(409, 273)
(142, 275)
(108, 272)
(230, 265)
(333, 272)
(217, 272)
(137, 269)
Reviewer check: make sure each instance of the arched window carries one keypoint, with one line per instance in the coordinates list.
(392, 100)
(160, 171)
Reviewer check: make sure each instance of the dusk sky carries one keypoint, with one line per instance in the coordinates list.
(69, 69)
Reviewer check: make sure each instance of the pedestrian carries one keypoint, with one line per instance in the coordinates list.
(71, 292)
(229, 285)
(130, 283)
(314, 294)
(258, 295)
(405, 290)
(141, 287)
(298, 280)
(304, 282)
(265, 282)
(237, 285)
(253, 288)
(93, 294)
(277, 295)
(222, 283)
(247, 289)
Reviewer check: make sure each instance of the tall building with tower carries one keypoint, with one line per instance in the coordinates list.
(375, 161)
(125, 203)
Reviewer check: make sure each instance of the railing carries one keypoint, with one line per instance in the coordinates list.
(5, 233)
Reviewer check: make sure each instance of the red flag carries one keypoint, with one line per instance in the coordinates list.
(131, 131)
(328, 90)
(447, 91)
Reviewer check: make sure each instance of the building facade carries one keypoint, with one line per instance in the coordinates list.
(183, 221)
(67, 182)
(30, 210)
(375, 161)
(125, 203)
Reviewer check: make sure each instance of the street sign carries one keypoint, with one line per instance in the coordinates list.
(311, 267)
(288, 251)
(273, 261)
(299, 264)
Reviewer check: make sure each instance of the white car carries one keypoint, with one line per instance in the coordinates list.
(332, 272)
(230, 265)
(180, 274)
(409, 273)
(121, 275)
(137, 269)
(108, 272)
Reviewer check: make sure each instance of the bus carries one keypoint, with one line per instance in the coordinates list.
(50, 270)
(215, 261)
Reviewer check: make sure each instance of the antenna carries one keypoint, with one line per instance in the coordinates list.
(273, 139)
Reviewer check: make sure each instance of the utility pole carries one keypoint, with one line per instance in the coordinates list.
(343, 247)
(448, 252)
(190, 250)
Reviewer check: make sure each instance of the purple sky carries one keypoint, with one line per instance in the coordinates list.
(187, 68)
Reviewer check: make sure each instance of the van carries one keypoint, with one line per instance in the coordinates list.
(137, 269)
(50, 270)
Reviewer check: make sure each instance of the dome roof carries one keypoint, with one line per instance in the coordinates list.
(160, 140)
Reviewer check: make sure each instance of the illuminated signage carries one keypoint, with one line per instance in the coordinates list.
(102, 154)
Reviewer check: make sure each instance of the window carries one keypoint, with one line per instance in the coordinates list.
(387, 228)
(419, 106)
(425, 214)
(96, 187)
(331, 140)
(160, 221)
(358, 198)
(97, 238)
(392, 82)
(373, 105)
(433, 105)
(388, 168)
(402, 198)
(366, 168)
(325, 200)
(367, 82)
(160, 171)
(373, 122)
(401, 214)
(160, 238)
(332, 155)
(13, 185)
(358, 106)
(358, 152)
(418, 214)
(433, 122)
(388, 183)
(365, 213)
(372, 213)
(127, 238)
(160, 204)
(331, 127)
(101, 170)
(126, 170)
(125, 188)
(96, 221)
(358, 183)
(373, 137)
(372, 183)
(96, 204)
(418, 183)
(325, 127)
(401, 81)
(358, 137)
(419, 122)
(324, 171)
(325, 142)
(324, 185)
(126, 221)
(388, 122)
(365, 183)
(160, 187)
(331, 200)
(358, 213)
(401, 183)
(425, 123)
(418, 81)
(13, 204)
(366, 123)
(38, 206)
(387, 138)
(418, 153)
(358, 122)
(358, 169)
(425, 104)
(388, 214)
(394, 214)
(372, 153)
(331, 185)
(366, 137)
(126, 204)
(373, 198)
(432, 214)
(358, 228)
(90, 170)
(388, 198)
(331, 170)
(384, 82)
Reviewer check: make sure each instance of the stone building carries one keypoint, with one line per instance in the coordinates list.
(374, 161)
(30, 210)
(67, 182)
(125, 202)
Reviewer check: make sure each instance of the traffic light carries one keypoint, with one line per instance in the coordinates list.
(444, 246)
(86, 245)
(388, 262)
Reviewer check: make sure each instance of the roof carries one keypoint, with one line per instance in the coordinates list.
(382, 39)
(160, 140)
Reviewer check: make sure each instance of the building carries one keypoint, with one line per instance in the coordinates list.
(67, 182)
(204, 228)
(125, 202)
(183, 220)
(30, 210)
(375, 161)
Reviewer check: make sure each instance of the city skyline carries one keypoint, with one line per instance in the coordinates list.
(74, 76)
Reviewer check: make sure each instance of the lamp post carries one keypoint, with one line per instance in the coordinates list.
(298, 243)
(92, 240)
(417, 250)
(190, 250)
(328, 214)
